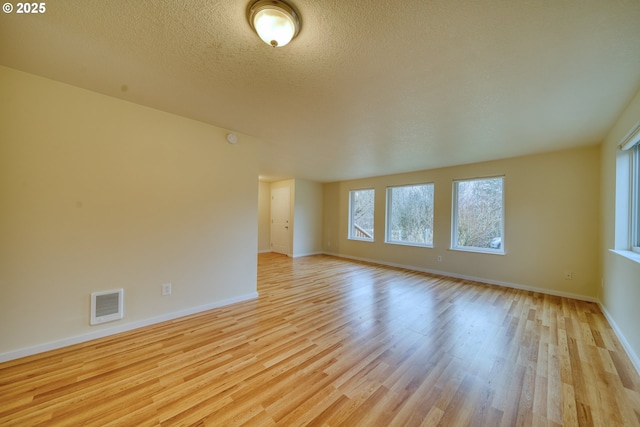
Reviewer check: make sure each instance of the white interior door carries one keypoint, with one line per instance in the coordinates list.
(280, 230)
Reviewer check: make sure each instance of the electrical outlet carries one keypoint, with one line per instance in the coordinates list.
(568, 275)
(439, 258)
(166, 289)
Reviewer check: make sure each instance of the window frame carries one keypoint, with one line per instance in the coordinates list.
(350, 234)
(627, 196)
(454, 218)
(388, 219)
(634, 199)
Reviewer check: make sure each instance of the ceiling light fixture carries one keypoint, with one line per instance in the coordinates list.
(275, 21)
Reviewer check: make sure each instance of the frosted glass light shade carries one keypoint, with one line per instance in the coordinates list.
(275, 22)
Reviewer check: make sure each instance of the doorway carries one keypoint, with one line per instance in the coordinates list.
(280, 211)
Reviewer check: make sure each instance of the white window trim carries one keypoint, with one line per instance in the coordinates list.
(633, 256)
(628, 195)
(387, 234)
(454, 220)
(634, 201)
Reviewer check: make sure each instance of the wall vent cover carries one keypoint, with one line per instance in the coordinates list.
(107, 306)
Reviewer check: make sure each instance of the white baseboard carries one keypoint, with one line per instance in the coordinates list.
(623, 340)
(120, 328)
(635, 360)
(472, 278)
(306, 254)
(265, 251)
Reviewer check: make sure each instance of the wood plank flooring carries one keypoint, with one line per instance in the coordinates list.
(332, 342)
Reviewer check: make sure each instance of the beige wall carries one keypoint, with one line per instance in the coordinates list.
(620, 293)
(551, 224)
(307, 231)
(97, 193)
(264, 217)
(305, 215)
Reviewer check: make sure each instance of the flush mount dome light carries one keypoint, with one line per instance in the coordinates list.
(275, 21)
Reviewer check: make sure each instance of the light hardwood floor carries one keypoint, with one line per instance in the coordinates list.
(334, 342)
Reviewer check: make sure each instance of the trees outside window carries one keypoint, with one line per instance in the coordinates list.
(410, 215)
(361, 208)
(478, 215)
(635, 198)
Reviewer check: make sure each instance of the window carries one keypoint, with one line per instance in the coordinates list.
(478, 215)
(410, 215)
(635, 198)
(627, 196)
(361, 214)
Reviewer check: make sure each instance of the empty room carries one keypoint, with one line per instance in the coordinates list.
(328, 213)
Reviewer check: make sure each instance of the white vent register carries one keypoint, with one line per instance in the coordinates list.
(107, 306)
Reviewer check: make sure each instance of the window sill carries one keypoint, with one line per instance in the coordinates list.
(355, 239)
(633, 256)
(478, 250)
(416, 245)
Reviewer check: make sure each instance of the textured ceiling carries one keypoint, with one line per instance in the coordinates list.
(367, 88)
